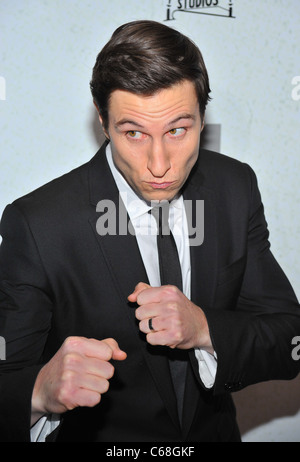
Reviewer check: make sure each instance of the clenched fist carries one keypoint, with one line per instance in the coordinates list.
(176, 321)
(77, 375)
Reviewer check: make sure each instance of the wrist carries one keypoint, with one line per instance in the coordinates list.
(37, 408)
(203, 341)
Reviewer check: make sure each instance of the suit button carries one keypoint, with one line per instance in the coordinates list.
(233, 386)
(228, 386)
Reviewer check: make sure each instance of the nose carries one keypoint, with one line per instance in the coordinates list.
(158, 159)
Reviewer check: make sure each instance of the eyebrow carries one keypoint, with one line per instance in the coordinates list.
(129, 122)
(185, 116)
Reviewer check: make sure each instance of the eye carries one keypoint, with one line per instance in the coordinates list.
(134, 134)
(177, 132)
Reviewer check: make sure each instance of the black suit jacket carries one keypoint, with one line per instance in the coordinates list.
(59, 277)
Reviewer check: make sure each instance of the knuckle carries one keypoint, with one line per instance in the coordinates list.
(109, 342)
(172, 306)
(177, 331)
(64, 396)
(170, 290)
(70, 360)
(178, 337)
(71, 343)
(67, 379)
(106, 351)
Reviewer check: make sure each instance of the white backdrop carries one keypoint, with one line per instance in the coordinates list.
(48, 124)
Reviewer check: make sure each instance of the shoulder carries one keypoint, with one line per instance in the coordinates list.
(56, 187)
(67, 191)
(60, 195)
(49, 206)
(230, 183)
(214, 162)
(218, 171)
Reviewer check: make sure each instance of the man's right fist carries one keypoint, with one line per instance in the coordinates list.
(77, 375)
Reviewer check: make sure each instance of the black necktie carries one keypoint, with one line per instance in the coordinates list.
(170, 273)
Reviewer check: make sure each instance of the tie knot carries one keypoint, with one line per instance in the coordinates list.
(161, 215)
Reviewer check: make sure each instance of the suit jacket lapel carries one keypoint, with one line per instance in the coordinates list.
(125, 264)
(204, 257)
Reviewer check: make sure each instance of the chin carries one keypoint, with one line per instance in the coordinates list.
(162, 196)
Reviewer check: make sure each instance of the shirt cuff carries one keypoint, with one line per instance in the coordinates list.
(207, 364)
(43, 427)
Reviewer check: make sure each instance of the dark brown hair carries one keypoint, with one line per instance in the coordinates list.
(143, 57)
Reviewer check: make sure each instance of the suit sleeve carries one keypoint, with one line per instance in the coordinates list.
(25, 317)
(253, 340)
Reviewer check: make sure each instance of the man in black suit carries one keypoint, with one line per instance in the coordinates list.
(89, 328)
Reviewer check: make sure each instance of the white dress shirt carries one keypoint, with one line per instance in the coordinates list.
(145, 228)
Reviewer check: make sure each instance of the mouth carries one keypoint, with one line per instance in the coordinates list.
(163, 185)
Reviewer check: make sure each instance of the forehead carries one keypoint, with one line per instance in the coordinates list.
(163, 105)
